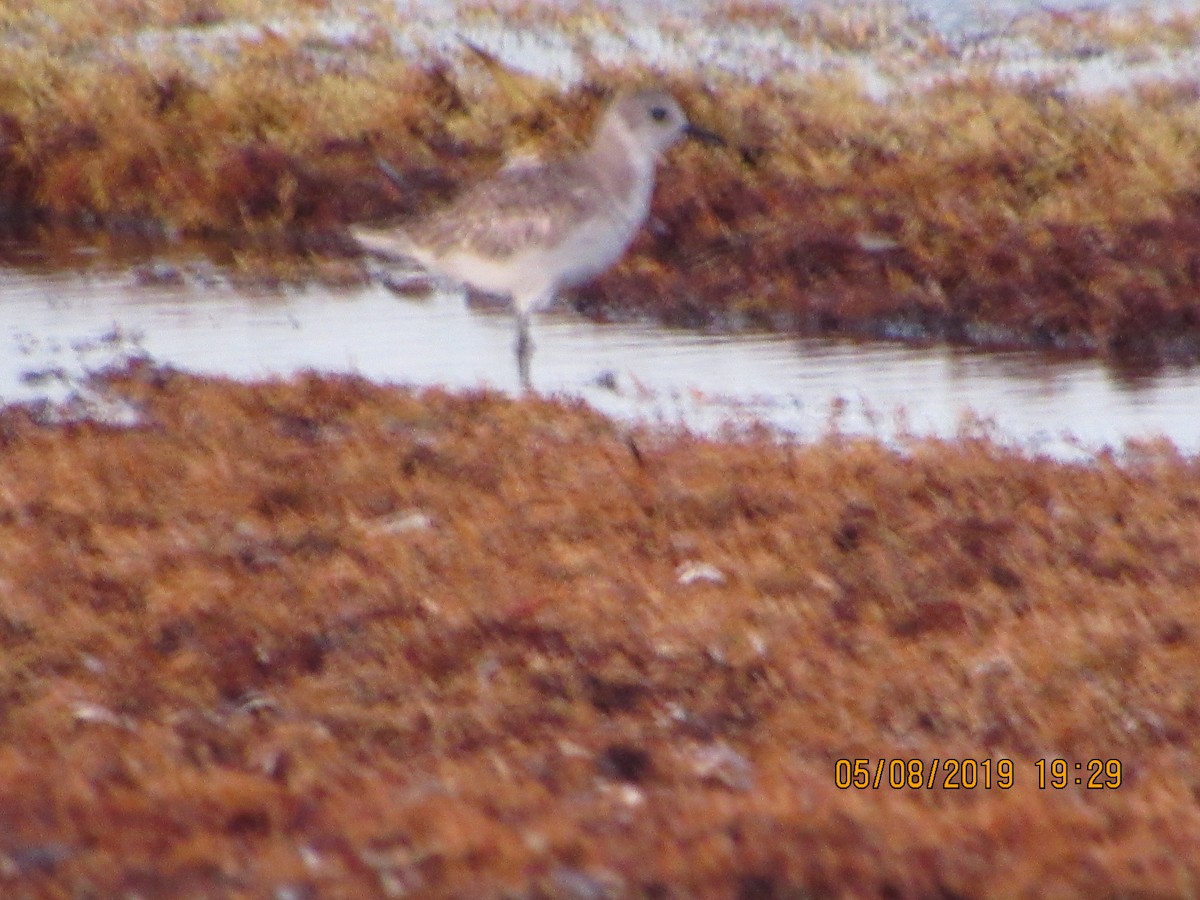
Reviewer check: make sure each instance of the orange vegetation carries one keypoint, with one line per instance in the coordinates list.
(325, 638)
(983, 210)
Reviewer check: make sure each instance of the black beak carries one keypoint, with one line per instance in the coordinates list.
(703, 135)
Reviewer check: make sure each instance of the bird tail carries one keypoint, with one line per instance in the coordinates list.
(389, 243)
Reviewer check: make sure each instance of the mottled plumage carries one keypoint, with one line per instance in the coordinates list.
(521, 206)
(534, 228)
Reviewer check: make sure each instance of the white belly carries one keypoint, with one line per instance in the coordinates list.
(533, 277)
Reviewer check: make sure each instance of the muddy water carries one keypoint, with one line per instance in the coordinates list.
(55, 328)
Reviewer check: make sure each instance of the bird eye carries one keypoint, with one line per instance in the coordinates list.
(659, 114)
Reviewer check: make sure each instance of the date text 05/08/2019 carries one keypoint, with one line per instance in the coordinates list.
(973, 774)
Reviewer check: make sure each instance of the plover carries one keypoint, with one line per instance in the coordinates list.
(535, 228)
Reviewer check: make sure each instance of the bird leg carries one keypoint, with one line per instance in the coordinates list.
(524, 350)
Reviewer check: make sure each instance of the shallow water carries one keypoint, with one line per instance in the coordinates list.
(679, 35)
(967, 16)
(54, 328)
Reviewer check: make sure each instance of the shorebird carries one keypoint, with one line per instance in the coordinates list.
(535, 228)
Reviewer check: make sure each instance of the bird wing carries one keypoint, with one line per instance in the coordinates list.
(521, 207)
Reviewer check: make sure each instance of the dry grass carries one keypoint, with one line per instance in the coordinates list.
(1096, 30)
(983, 210)
(325, 638)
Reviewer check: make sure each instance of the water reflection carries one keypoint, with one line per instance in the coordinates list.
(60, 326)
